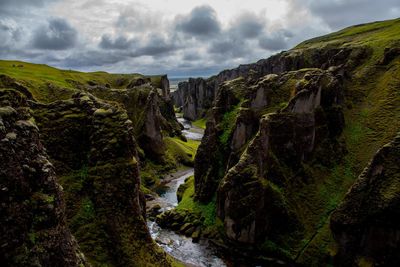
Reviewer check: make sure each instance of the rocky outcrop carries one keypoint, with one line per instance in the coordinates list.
(150, 113)
(92, 146)
(252, 197)
(33, 228)
(366, 224)
(138, 82)
(152, 138)
(234, 120)
(165, 87)
(194, 97)
(279, 158)
(195, 102)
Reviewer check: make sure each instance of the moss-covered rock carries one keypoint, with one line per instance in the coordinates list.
(366, 224)
(93, 148)
(33, 228)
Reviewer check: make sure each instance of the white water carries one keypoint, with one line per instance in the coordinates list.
(181, 247)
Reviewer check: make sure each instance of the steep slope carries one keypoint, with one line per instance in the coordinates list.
(366, 224)
(285, 141)
(93, 149)
(146, 98)
(33, 220)
(91, 144)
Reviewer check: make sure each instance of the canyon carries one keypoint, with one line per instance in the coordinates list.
(299, 164)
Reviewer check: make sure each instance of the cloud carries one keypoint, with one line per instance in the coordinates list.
(175, 37)
(229, 48)
(120, 42)
(10, 34)
(202, 21)
(275, 41)
(248, 25)
(155, 46)
(57, 35)
(338, 13)
(16, 7)
(137, 19)
(94, 58)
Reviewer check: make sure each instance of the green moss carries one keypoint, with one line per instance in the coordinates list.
(274, 249)
(207, 211)
(227, 124)
(181, 151)
(201, 123)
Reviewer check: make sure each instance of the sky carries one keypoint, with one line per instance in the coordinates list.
(178, 37)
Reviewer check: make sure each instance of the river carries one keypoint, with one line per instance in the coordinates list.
(179, 246)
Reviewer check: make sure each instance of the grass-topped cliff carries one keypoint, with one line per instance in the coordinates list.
(287, 139)
(48, 84)
(103, 134)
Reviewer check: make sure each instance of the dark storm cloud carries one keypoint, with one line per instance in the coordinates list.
(57, 35)
(155, 46)
(229, 47)
(120, 42)
(94, 58)
(248, 25)
(339, 14)
(275, 41)
(202, 21)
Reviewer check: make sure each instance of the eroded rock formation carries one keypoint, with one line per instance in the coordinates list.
(196, 95)
(92, 146)
(33, 228)
(366, 225)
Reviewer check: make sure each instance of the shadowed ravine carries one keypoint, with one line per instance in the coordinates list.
(180, 246)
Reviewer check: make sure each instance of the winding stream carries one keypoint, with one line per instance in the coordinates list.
(179, 246)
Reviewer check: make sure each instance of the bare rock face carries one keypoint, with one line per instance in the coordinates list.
(152, 139)
(165, 87)
(366, 225)
(249, 200)
(150, 114)
(33, 228)
(194, 97)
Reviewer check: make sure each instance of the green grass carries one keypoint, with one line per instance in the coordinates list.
(180, 148)
(200, 123)
(377, 35)
(208, 211)
(36, 78)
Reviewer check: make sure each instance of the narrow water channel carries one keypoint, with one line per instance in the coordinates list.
(179, 246)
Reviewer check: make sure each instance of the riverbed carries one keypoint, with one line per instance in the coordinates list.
(179, 246)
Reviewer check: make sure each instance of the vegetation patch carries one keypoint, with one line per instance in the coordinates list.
(207, 211)
(200, 123)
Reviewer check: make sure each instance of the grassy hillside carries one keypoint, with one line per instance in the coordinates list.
(48, 84)
(376, 35)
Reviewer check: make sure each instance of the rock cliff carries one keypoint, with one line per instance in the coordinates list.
(92, 146)
(366, 224)
(33, 219)
(196, 95)
(287, 139)
(93, 211)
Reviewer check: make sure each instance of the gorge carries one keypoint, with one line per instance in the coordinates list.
(290, 161)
